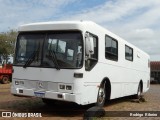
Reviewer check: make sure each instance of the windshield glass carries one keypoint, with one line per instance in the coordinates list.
(49, 49)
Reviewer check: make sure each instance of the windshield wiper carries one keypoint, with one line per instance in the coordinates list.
(31, 59)
(54, 59)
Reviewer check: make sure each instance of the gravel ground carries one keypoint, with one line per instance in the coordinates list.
(70, 111)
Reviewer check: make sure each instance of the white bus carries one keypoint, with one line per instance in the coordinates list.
(77, 61)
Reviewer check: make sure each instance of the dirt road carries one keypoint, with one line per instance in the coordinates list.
(70, 111)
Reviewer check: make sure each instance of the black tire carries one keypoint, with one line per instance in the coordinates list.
(93, 112)
(5, 80)
(139, 92)
(101, 98)
(48, 101)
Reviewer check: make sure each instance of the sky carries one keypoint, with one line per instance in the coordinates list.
(137, 21)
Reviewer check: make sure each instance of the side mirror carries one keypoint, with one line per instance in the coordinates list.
(89, 44)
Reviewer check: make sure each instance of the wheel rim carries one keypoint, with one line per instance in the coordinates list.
(5, 80)
(101, 95)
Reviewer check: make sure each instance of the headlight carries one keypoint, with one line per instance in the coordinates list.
(62, 86)
(19, 82)
(68, 87)
(16, 82)
(65, 87)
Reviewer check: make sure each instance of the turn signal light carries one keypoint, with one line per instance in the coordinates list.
(68, 87)
(62, 86)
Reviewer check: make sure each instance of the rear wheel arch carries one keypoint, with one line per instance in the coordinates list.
(141, 85)
(139, 90)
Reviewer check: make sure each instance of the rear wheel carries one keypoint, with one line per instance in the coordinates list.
(139, 92)
(5, 80)
(101, 95)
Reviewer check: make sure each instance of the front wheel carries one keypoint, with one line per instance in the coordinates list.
(101, 95)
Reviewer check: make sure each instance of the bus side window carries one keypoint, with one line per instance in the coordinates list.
(111, 48)
(128, 53)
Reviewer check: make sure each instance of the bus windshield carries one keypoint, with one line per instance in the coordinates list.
(58, 50)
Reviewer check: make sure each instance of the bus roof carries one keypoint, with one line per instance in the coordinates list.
(71, 25)
(54, 25)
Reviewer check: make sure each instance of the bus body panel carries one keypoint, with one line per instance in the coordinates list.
(124, 75)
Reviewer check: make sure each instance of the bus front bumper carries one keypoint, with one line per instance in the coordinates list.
(70, 97)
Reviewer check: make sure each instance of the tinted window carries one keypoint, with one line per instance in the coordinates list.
(128, 53)
(42, 49)
(111, 48)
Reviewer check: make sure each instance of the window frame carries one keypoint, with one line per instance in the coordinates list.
(46, 33)
(95, 52)
(130, 48)
(113, 54)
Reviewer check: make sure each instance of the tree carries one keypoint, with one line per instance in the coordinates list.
(7, 42)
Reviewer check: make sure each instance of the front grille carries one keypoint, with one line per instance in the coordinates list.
(41, 85)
